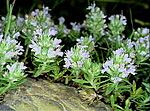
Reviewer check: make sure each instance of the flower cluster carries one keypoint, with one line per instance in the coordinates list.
(15, 71)
(75, 57)
(76, 27)
(9, 49)
(119, 66)
(15, 25)
(139, 47)
(45, 47)
(128, 46)
(116, 27)
(38, 19)
(62, 29)
(142, 48)
(95, 21)
(88, 42)
(141, 32)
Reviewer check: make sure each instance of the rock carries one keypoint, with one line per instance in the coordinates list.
(5, 108)
(43, 95)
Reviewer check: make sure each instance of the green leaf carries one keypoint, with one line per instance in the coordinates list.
(80, 81)
(89, 87)
(112, 100)
(116, 105)
(134, 87)
(139, 91)
(147, 86)
(127, 104)
(110, 88)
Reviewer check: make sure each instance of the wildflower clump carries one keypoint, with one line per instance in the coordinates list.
(38, 19)
(15, 72)
(46, 50)
(142, 45)
(116, 27)
(9, 49)
(95, 22)
(11, 71)
(119, 66)
(75, 57)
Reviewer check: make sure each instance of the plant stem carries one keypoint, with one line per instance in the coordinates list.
(9, 16)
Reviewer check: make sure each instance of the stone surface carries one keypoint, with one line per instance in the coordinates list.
(42, 95)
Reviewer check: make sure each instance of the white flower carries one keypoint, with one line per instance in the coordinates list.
(16, 66)
(1, 37)
(51, 53)
(16, 35)
(58, 52)
(35, 48)
(67, 63)
(116, 79)
(20, 21)
(38, 32)
(56, 42)
(61, 20)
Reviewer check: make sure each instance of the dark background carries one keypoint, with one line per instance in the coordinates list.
(136, 11)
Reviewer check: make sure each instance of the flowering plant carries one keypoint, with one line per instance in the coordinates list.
(11, 71)
(46, 51)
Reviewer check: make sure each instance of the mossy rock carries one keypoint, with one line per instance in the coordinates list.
(43, 95)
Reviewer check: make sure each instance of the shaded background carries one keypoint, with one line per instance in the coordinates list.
(136, 11)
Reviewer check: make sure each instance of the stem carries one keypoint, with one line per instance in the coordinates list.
(97, 55)
(9, 16)
(26, 53)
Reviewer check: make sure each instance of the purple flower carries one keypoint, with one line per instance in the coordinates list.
(145, 31)
(45, 10)
(69, 54)
(75, 57)
(35, 13)
(119, 52)
(51, 53)
(79, 63)
(52, 31)
(85, 54)
(15, 67)
(121, 18)
(127, 59)
(76, 26)
(130, 44)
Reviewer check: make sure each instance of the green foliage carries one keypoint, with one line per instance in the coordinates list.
(91, 75)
